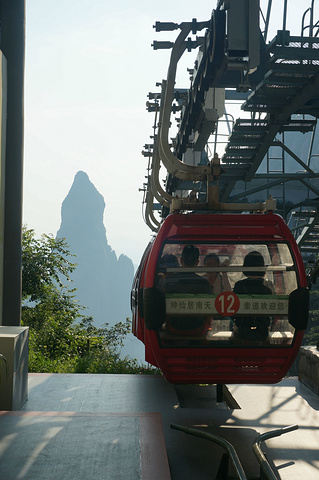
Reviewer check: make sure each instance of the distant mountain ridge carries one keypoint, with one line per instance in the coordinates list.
(102, 281)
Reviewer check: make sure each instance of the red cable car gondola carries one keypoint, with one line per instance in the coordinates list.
(221, 298)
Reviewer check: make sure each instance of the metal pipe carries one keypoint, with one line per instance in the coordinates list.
(160, 194)
(303, 27)
(267, 19)
(149, 218)
(285, 15)
(311, 19)
(220, 441)
(267, 470)
(173, 164)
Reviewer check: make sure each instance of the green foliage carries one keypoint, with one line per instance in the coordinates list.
(44, 260)
(62, 339)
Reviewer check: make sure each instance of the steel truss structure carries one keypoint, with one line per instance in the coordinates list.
(247, 125)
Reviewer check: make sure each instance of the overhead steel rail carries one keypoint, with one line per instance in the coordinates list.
(276, 84)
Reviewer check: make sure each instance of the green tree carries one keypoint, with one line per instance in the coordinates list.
(62, 339)
(44, 260)
(49, 307)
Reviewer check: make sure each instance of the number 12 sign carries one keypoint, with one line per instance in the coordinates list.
(227, 303)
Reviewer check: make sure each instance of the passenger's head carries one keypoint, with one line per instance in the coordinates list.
(190, 256)
(254, 259)
(211, 260)
(168, 261)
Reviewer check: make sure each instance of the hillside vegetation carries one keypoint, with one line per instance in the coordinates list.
(62, 338)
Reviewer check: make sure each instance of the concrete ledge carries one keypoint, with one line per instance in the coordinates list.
(14, 345)
(309, 368)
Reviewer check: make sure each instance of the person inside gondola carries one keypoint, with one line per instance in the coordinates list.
(218, 281)
(187, 282)
(254, 328)
(167, 261)
(255, 283)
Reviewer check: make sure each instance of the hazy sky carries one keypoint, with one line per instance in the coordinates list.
(89, 67)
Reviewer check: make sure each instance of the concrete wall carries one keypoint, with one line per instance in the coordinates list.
(14, 346)
(309, 368)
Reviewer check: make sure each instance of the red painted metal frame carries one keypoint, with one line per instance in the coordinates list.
(219, 364)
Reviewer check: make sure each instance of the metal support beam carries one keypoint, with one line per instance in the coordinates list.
(13, 46)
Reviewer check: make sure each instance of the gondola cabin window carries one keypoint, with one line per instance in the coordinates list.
(227, 294)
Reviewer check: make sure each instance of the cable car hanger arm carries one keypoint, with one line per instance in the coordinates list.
(173, 165)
